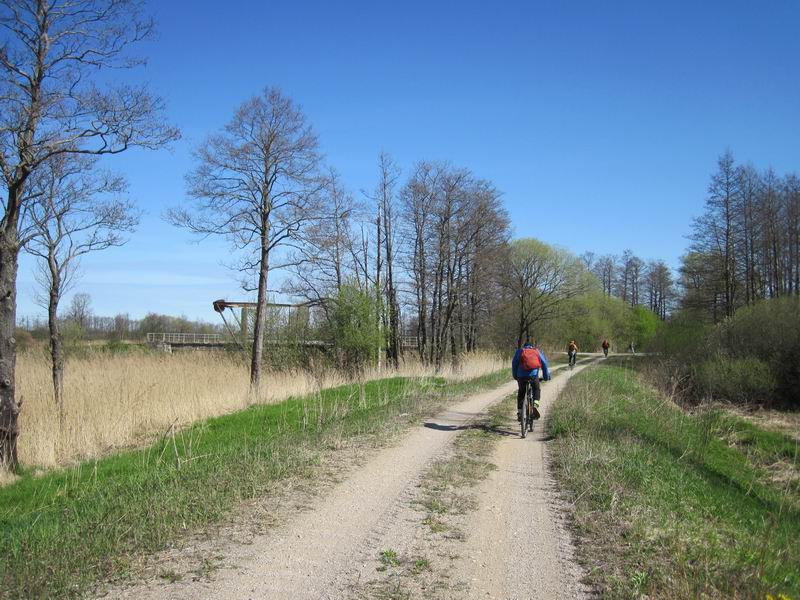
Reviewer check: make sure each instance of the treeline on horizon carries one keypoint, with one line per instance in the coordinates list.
(736, 335)
(746, 244)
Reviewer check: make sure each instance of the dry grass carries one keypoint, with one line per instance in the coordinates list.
(785, 422)
(118, 401)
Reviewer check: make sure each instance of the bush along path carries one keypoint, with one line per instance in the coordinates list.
(671, 504)
(65, 531)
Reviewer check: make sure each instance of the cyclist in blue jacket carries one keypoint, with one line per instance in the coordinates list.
(526, 377)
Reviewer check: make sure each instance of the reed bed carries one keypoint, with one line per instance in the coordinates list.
(124, 401)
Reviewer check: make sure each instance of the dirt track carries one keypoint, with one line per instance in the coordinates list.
(518, 545)
(330, 550)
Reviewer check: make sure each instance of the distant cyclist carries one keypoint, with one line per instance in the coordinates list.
(572, 351)
(606, 346)
(525, 367)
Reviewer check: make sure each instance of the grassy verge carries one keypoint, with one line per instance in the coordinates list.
(672, 504)
(65, 531)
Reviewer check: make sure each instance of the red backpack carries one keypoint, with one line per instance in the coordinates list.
(529, 359)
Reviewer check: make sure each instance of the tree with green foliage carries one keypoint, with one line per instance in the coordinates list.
(353, 327)
(539, 279)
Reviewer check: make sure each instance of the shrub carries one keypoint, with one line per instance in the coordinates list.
(24, 339)
(769, 330)
(755, 355)
(747, 379)
(683, 337)
(353, 327)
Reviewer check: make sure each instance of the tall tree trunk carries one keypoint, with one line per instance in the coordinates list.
(56, 344)
(9, 408)
(522, 322)
(393, 344)
(422, 309)
(261, 315)
(378, 294)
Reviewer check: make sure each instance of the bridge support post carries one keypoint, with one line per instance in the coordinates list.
(245, 325)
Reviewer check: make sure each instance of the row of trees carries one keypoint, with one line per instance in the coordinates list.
(119, 327)
(430, 253)
(746, 245)
(429, 244)
(635, 281)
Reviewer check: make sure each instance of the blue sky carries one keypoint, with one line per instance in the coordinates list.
(599, 121)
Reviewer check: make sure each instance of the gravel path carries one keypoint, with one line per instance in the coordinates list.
(312, 555)
(326, 551)
(518, 545)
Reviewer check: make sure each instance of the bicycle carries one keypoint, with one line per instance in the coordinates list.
(527, 413)
(573, 358)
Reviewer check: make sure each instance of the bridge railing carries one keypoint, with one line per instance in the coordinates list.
(185, 338)
(201, 339)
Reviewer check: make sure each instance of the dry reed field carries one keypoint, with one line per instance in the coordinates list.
(122, 401)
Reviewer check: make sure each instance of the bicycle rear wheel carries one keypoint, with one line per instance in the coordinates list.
(530, 417)
(523, 422)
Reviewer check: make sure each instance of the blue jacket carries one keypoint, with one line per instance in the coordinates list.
(518, 372)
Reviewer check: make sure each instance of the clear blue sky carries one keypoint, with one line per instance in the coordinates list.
(599, 121)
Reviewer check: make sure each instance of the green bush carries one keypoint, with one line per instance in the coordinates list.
(755, 354)
(683, 336)
(644, 326)
(593, 317)
(747, 379)
(353, 327)
(769, 330)
(74, 339)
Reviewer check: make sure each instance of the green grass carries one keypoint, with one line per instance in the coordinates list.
(671, 504)
(64, 532)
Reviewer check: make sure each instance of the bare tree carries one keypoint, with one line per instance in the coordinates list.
(629, 269)
(258, 184)
(660, 287)
(418, 197)
(636, 269)
(122, 325)
(623, 280)
(746, 241)
(323, 262)
(748, 185)
(588, 258)
(385, 199)
(605, 269)
(715, 231)
(75, 212)
(453, 224)
(49, 106)
(80, 310)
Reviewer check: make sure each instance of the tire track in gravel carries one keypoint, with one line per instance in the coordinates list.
(518, 545)
(513, 545)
